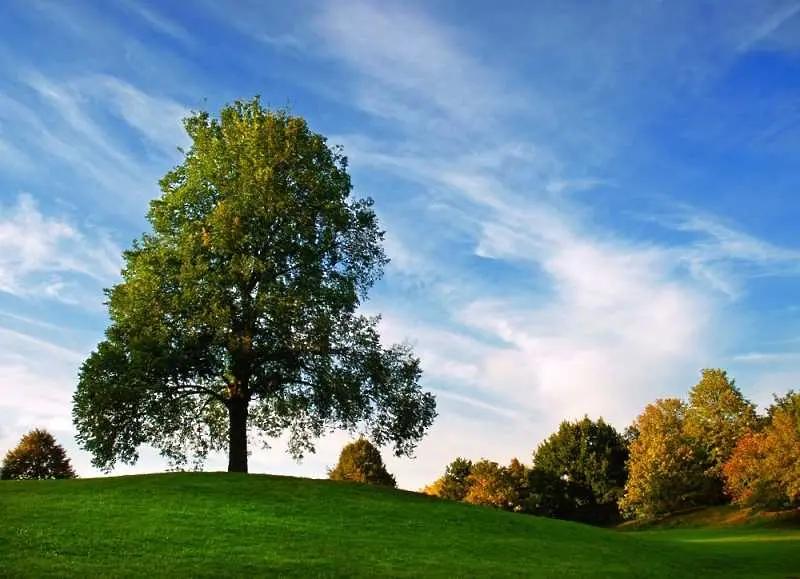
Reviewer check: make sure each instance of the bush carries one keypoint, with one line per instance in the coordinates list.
(361, 462)
(37, 456)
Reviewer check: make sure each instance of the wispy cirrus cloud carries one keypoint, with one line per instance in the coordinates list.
(70, 126)
(50, 258)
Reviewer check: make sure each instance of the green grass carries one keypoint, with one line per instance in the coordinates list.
(721, 517)
(216, 524)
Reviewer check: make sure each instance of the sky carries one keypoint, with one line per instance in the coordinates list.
(585, 203)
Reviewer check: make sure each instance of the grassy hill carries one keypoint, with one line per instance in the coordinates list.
(721, 517)
(218, 524)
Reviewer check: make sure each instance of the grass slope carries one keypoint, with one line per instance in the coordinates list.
(218, 524)
(721, 517)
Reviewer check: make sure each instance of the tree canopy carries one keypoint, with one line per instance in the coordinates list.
(664, 474)
(239, 312)
(37, 456)
(579, 471)
(764, 467)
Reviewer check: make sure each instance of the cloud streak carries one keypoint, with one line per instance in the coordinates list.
(49, 258)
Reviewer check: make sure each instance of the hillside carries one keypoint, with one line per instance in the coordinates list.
(216, 524)
(721, 517)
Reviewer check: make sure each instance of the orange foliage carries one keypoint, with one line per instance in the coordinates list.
(764, 469)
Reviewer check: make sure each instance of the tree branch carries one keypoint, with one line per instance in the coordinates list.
(195, 389)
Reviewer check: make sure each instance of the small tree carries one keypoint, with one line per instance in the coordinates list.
(455, 482)
(37, 456)
(361, 462)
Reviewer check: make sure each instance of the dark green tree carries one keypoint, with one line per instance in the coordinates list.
(361, 461)
(37, 456)
(579, 472)
(455, 482)
(238, 312)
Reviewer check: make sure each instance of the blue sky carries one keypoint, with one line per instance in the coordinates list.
(585, 204)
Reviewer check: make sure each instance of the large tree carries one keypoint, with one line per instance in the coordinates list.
(37, 456)
(579, 472)
(239, 312)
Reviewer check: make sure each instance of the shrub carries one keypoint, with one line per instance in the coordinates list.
(361, 462)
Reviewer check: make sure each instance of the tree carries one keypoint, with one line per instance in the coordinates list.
(238, 312)
(579, 472)
(37, 456)
(361, 462)
(491, 484)
(518, 473)
(764, 467)
(454, 484)
(717, 416)
(789, 403)
(664, 474)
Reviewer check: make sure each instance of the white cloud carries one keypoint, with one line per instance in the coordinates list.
(42, 256)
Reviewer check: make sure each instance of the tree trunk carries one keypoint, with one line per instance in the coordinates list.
(237, 438)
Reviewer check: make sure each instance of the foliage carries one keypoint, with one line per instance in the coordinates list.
(664, 474)
(789, 403)
(238, 311)
(579, 472)
(491, 484)
(549, 495)
(518, 473)
(217, 525)
(764, 468)
(454, 485)
(717, 416)
(361, 462)
(37, 456)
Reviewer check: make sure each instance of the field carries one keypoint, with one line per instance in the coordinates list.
(219, 524)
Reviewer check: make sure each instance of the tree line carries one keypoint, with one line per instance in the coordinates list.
(712, 449)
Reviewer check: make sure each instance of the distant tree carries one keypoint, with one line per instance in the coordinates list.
(37, 456)
(549, 495)
(664, 474)
(764, 467)
(717, 416)
(491, 484)
(579, 472)
(788, 403)
(238, 313)
(454, 485)
(434, 489)
(361, 462)
(518, 473)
